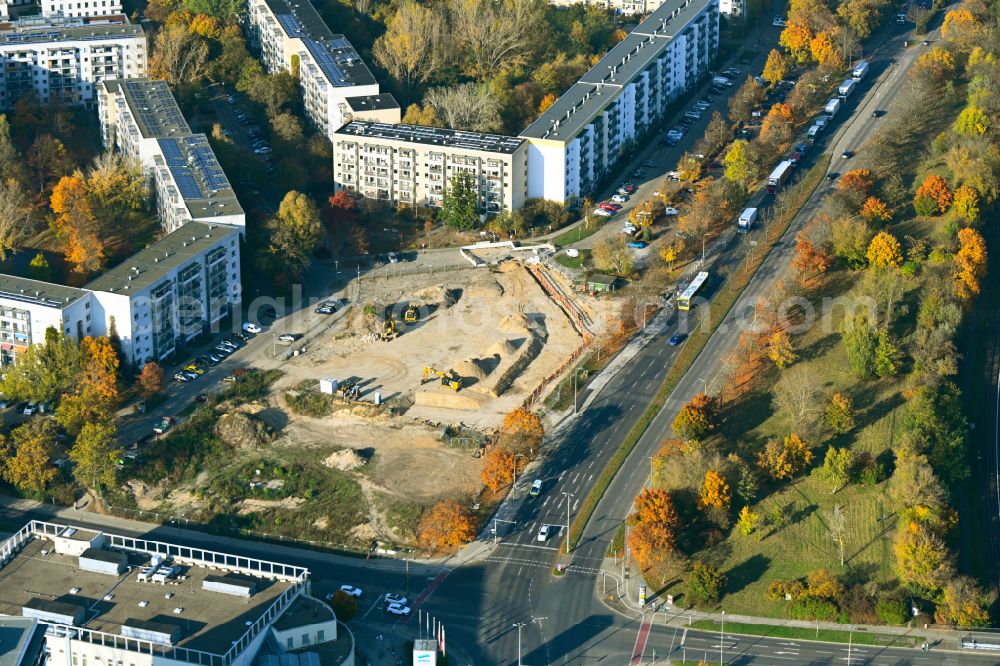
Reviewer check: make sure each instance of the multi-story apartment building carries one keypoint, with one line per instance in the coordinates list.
(156, 301)
(160, 603)
(413, 165)
(140, 118)
(290, 36)
(28, 308)
(64, 59)
(578, 140)
(171, 292)
(81, 8)
(732, 8)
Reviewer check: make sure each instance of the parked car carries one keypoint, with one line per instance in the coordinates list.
(639, 245)
(165, 424)
(650, 163)
(324, 309)
(391, 598)
(351, 590)
(611, 206)
(229, 379)
(669, 210)
(289, 337)
(196, 369)
(602, 212)
(30, 408)
(251, 327)
(620, 198)
(628, 187)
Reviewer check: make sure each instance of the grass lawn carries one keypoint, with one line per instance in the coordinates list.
(575, 263)
(804, 633)
(580, 232)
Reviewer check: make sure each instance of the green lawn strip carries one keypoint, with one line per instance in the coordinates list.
(583, 230)
(573, 262)
(723, 302)
(806, 633)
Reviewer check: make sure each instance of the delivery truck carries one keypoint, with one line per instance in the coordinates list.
(832, 107)
(860, 70)
(747, 218)
(846, 88)
(779, 176)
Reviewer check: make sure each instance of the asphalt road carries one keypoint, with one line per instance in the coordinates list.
(565, 621)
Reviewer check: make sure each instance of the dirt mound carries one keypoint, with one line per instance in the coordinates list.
(430, 294)
(489, 293)
(471, 368)
(345, 460)
(504, 348)
(515, 323)
(243, 431)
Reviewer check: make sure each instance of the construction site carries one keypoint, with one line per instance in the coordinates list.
(389, 405)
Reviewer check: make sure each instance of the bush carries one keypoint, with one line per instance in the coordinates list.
(705, 583)
(891, 611)
(344, 606)
(858, 605)
(811, 608)
(308, 403)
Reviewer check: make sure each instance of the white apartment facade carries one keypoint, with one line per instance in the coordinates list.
(29, 308)
(330, 71)
(166, 295)
(580, 138)
(140, 118)
(413, 165)
(81, 8)
(65, 59)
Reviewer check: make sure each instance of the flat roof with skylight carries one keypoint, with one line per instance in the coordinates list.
(35, 292)
(55, 29)
(153, 106)
(162, 599)
(433, 136)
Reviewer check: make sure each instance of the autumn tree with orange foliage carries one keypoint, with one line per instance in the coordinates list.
(857, 180)
(809, 260)
(448, 524)
(522, 431)
(76, 224)
(933, 196)
(938, 65)
(970, 262)
(797, 38)
(96, 396)
(697, 418)
(150, 381)
(823, 52)
(876, 211)
(777, 126)
(499, 466)
(780, 349)
(654, 527)
(715, 492)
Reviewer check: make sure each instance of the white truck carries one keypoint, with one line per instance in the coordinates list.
(846, 88)
(779, 176)
(747, 218)
(860, 70)
(832, 107)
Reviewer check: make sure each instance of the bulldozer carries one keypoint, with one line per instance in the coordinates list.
(451, 379)
(389, 330)
(411, 315)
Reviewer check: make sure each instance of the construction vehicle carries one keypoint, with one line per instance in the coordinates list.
(451, 379)
(411, 315)
(389, 330)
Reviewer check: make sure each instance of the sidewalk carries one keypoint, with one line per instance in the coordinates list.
(624, 600)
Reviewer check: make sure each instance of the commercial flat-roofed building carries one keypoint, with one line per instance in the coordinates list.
(171, 292)
(578, 139)
(130, 618)
(413, 165)
(330, 71)
(63, 59)
(140, 117)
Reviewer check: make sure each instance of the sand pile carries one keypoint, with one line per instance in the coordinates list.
(515, 323)
(471, 368)
(345, 460)
(502, 349)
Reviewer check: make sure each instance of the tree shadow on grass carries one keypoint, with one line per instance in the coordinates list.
(819, 348)
(747, 572)
(879, 410)
(748, 412)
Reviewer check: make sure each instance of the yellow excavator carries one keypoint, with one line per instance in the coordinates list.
(389, 330)
(411, 315)
(451, 379)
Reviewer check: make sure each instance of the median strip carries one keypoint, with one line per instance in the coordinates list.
(725, 299)
(859, 637)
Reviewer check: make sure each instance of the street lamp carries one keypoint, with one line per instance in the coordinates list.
(568, 496)
(519, 625)
(274, 345)
(722, 637)
(516, 456)
(650, 471)
(703, 237)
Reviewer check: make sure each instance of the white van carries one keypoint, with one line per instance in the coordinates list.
(251, 327)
